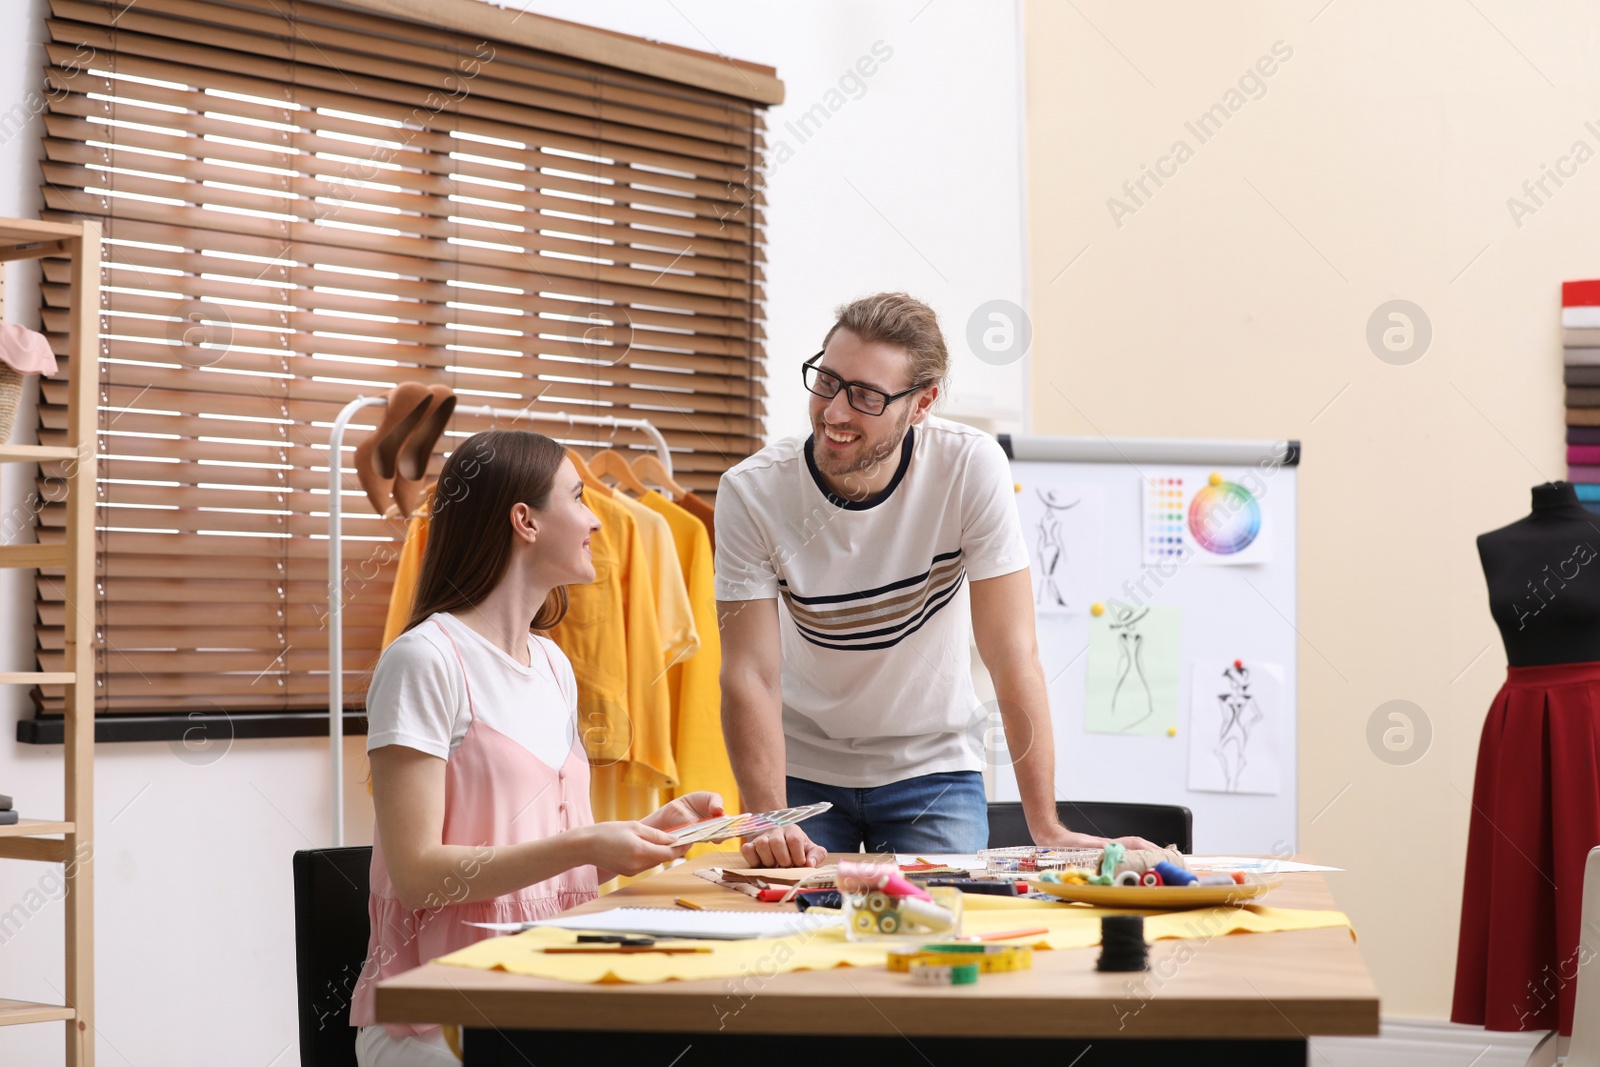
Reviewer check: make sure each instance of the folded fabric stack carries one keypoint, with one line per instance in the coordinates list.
(1580, 339)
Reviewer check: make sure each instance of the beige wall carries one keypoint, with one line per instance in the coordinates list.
(1234, 303)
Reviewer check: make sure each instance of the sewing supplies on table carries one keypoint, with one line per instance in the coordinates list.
(880, 902)
(993, 887)
(753, 881)
(1032, 859)
(818, 898)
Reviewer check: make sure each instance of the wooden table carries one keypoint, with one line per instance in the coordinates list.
(1237, 999)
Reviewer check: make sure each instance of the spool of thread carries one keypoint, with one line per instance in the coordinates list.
(1122, 944)
(1215, 879)
(1174, 875)
(1151, 878)
(927, 914)
(1128, 878)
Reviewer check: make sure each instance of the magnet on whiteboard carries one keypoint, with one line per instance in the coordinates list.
(1097, 609)
(1016, 487)
(1172, 731)
(1215, 479)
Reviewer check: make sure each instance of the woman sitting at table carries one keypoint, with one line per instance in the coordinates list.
(480, 786)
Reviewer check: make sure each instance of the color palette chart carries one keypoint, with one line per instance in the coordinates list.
(1163, 518)
(1580, 341)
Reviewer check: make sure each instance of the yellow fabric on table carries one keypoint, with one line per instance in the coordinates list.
(1069, 927)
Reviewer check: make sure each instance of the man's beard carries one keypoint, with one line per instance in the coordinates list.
(868, 458)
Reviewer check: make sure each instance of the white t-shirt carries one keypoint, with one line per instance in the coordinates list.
(418, 697)
(874, 610)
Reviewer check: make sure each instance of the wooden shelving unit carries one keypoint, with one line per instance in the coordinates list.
(68, 841)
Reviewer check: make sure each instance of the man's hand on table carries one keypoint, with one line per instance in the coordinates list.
(1059, 836)
(787, 846)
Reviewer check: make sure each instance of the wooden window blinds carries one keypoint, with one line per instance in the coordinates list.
(306, 203)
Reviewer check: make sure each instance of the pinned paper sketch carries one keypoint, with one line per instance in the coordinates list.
(1065, 527)
(1212, 518)
(1132, 685)
(1235, 711)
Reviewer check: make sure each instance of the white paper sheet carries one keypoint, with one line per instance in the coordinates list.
(1252, 865)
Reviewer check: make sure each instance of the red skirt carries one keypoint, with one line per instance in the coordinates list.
(1535, 816)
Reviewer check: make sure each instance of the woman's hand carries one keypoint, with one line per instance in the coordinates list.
(627, 847)
(691, 807)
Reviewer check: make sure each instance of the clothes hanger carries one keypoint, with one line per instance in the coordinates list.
(588, 476)
(610, 462)
(649, 469)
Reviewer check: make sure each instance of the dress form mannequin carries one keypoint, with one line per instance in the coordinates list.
(1536, 795)
(1544, 580)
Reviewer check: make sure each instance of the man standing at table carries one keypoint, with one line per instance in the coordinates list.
(890, 538)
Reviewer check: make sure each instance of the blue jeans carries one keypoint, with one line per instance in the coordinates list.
(944, 813)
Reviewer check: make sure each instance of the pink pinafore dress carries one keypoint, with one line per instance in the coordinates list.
(495, 793)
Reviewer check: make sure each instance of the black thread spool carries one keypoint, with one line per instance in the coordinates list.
(1122, 944)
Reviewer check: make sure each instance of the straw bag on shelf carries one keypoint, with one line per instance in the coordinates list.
(22, 352)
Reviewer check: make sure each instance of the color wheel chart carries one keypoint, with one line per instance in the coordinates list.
(1224, 517)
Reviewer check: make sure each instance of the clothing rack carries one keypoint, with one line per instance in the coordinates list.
(336, 554)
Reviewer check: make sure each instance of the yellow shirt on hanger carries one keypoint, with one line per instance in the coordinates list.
(612, 636)
(680, 638)
(695, 684)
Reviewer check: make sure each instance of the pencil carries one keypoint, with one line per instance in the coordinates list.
(1005, 935)
(625, 950)
(684, 902)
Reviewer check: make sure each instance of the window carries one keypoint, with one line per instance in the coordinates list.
(303, 204)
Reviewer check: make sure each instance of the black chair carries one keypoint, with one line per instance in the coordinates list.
(1165, 824)
(330, 948)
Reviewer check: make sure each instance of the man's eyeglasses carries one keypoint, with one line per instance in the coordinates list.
(864, 398)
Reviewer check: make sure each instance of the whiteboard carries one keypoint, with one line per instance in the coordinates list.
(1244, 611)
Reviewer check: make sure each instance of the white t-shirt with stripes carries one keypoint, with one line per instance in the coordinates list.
(873, 603)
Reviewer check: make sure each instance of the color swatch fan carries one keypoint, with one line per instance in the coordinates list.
(725, 826)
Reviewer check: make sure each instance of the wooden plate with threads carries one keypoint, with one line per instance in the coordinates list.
(1161, 897)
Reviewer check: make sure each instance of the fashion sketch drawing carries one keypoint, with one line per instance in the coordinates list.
(1132, 696)
(1240, 714)
(1050, 549)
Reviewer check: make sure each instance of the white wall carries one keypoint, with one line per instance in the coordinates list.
(914, 184)
(914, 181)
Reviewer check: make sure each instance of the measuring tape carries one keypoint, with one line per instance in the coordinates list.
(991, 959)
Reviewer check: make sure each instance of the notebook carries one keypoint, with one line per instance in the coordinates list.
(711, 925)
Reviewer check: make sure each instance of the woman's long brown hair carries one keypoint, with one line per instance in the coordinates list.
(469, 536)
